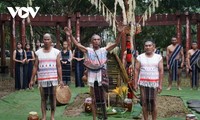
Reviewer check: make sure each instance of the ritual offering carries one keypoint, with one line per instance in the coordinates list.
(33, 116)
(88, 105)
(128, 104)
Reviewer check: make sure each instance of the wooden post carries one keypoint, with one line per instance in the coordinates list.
(3, 57)
(57, 36)
(188, 31)
(78, 26)
(69, 26)
(178, 28)
(12, 47)
(23, 33)
(198, 34)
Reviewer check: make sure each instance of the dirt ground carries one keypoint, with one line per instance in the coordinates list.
(168, 106)
(6, 85)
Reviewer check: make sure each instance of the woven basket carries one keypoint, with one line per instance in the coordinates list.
(63, 95)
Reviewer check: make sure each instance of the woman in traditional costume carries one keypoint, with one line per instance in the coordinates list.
(19, 56)
(29, 63)
(66, 57)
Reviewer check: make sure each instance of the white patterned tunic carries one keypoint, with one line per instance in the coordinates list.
(47, 70)
(92, 58)
(149, 74)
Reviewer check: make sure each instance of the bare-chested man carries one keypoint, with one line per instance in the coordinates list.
(175, 60)
(192, 57)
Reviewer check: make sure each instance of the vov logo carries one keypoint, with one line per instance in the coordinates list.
(23, 12)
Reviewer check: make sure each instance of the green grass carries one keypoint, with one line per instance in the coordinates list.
(17, 105)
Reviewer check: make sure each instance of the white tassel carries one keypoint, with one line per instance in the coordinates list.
(134, 4)
(114, 27)
(99, 5)
(153, 6)
(30, 2)
(145, 15)
(143, 21)
(110, 19)
(92, 1)
(130, 10)
(157, 3)
(96, 3)
(121, 3)
(149, 11)
(103, 10)
(133, 18)
(107, 19)
(115, 9)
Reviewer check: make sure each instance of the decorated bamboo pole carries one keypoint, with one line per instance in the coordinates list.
(129, 44)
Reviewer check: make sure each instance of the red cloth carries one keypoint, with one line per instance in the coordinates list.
(128, 44)
(128, 57)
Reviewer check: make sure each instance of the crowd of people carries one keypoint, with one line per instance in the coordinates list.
(25, 59)
(52, 67)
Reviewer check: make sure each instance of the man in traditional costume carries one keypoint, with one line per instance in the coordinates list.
(149, 75)
(175, 61)
(193, 55)
(49, 72)
(96, 58)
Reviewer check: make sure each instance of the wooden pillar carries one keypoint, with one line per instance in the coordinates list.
(78, 26)
(69, 26)
(178, 29)
(3, 57)
(198, 34)
(12, 47)
(23, 33)
(57, 36)
(188, 32)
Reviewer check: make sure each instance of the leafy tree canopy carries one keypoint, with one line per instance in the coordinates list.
(161, 35)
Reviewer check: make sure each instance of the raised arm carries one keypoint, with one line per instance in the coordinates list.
(112, 46)
(77, 44)
(120, 29)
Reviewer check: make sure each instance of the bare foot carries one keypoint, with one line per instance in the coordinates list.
(169, 88)
(179, 88)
